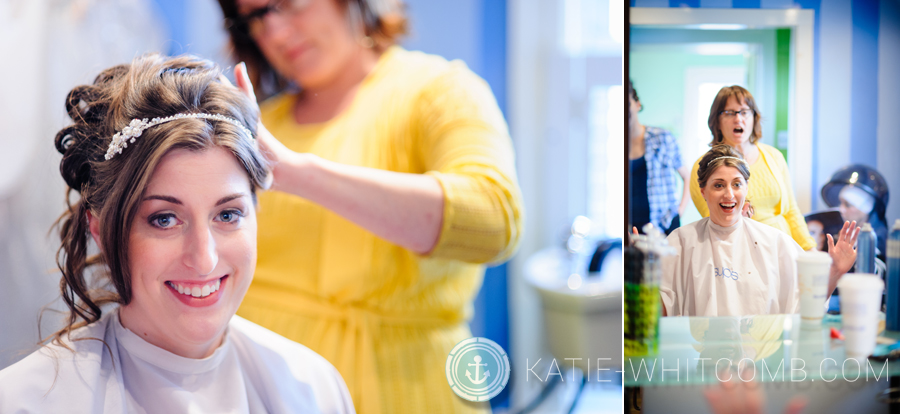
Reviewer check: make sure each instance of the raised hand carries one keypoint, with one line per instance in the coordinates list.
(843, 253)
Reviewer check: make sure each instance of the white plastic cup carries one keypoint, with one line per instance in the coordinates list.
(813, 269)
(860, 303)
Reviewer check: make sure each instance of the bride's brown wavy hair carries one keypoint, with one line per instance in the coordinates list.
(111, 190)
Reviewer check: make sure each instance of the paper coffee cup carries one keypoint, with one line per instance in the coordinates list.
(813, 269)
(860, 303)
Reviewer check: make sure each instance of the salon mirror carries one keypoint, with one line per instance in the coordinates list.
(681, 57)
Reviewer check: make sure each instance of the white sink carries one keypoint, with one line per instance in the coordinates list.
(582, 315)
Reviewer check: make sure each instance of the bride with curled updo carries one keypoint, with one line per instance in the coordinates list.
(730, 265)
(163, 157)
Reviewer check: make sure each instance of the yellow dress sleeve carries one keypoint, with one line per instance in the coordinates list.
(795, 220)
(465, 145)
(696, 196)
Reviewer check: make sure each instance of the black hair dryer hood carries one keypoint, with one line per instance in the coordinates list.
(866, 178)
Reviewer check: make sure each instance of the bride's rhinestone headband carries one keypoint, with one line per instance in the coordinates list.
(134, 129)
(722, 158)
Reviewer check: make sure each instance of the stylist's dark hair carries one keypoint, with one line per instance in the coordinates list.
(724, 156)
(111, 190)
(741, 95)
(384, 21)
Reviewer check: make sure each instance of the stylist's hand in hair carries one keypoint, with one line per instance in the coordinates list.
(274, 151)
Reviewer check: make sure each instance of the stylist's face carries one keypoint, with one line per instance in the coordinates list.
(725, 193)
(192, 251)
(307, 41)
(736, 128)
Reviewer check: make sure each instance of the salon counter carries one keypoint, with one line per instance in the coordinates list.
(786, 355)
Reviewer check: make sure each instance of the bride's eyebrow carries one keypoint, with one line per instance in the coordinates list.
(170, 199)
(228, 198)
(174, 200)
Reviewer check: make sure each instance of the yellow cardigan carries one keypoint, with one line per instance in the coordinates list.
(770, 193)
(384, 316)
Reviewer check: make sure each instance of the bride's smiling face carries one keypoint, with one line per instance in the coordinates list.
(725, 193)
(192, 251)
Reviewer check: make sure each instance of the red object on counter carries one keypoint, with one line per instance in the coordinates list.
(836, 334)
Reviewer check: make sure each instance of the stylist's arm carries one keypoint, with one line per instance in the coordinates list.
(405, 209)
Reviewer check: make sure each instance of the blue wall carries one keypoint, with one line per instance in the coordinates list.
(864, 84)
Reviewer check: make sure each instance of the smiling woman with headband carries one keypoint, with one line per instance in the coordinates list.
(729, 265)
(164, 158)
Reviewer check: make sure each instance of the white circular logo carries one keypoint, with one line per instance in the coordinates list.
(477, 369)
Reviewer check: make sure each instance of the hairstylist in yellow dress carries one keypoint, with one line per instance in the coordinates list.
(734, 120)
(394, 182)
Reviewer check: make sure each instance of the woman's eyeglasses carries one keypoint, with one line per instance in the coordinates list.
(745, 113)
(253, 23)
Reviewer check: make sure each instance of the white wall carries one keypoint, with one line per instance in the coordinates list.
(526, 48)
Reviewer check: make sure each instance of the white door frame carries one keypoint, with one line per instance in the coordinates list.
(800, 114)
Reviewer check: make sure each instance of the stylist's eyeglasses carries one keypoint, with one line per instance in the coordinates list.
(253, 23)
(745, 113)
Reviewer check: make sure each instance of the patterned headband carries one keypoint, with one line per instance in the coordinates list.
(134, 129)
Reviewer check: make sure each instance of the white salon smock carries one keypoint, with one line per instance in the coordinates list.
(254, 371)
(746, 269)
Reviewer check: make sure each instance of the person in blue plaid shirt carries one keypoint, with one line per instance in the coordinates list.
(655, 162)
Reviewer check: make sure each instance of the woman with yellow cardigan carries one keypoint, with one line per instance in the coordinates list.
(394, 182)
(734, 120)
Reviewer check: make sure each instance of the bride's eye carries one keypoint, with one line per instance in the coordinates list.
(163, 221)
(230, 216)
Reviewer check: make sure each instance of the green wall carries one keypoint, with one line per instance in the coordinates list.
(782, 85)
(659, 80)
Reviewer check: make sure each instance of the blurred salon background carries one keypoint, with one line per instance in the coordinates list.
(555, 68)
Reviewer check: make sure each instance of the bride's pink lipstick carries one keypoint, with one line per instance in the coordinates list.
(197, 302)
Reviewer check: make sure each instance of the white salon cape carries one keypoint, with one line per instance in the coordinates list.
(254, 371)
(746, 269)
